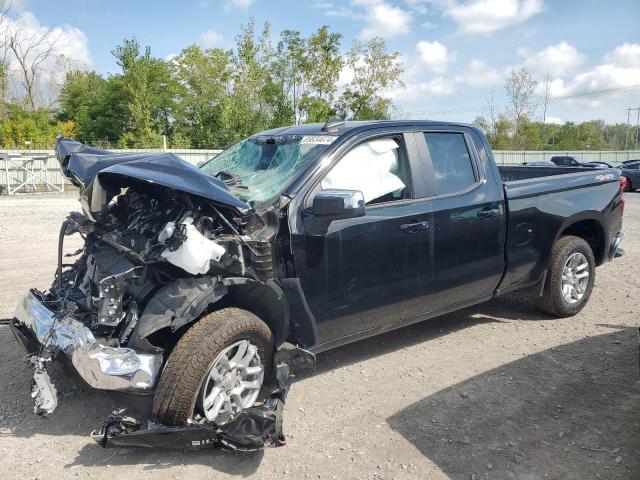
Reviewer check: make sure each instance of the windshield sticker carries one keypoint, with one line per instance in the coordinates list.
(318, 139)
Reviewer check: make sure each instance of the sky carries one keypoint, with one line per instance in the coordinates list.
(456, 53)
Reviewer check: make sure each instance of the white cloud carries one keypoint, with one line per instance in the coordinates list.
(626, 55)
(554, 60)
(346, 77)
(210, 39)
(553, 120)
(435, 55)
(487, 16)
(240, 3)
(478, 74)
(619, 72)
(67, 46)
(418, 6)
(418, 91)
(383, 20)
(69, 41)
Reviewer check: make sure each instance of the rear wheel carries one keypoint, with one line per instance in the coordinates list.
(570, 277)
(216, 370)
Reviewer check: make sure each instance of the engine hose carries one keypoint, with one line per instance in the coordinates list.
(63, 230)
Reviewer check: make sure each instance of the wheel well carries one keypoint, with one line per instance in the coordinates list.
(593, 233)
(181, 304)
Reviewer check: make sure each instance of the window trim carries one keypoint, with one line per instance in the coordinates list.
(479, 173)
(411, 154)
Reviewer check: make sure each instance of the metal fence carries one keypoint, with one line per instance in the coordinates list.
(38, 170)
(518, 157)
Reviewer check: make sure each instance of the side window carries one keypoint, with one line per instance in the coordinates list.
(452, 167)
(378, 168)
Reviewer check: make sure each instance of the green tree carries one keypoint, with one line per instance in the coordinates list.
(202, 81)
(79, 102)
(149, 88)
(255, 99)
(520, 88)
(373, 71)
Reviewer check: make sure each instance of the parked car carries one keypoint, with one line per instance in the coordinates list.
(540, 163)
(566, 161)
(208, 287)
(630, 170)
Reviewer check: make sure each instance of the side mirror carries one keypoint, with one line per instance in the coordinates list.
(338, 204)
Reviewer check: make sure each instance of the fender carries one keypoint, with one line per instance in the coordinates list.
(174, 306)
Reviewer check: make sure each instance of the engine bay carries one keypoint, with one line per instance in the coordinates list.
(146, 237)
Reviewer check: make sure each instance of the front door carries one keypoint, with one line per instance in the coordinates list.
(370, 272)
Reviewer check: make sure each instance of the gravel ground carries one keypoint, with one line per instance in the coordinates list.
(495, 391)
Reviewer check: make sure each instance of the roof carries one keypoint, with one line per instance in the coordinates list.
(339, 129)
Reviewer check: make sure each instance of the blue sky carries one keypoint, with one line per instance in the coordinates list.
(455, 51)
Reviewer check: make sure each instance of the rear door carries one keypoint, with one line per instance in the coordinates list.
(365, 274)
(468, 218)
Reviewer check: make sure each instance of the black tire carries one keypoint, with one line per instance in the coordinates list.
(552, 301)
(189, 362)
(629, 186)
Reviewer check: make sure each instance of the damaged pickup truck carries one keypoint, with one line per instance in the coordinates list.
(209, 287)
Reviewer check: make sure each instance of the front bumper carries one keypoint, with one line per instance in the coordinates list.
(101, 366)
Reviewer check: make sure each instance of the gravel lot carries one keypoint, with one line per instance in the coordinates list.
(495, 391)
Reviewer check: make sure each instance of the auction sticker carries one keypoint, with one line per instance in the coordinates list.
(318, 139)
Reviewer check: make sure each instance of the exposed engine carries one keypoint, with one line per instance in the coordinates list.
(146, 237)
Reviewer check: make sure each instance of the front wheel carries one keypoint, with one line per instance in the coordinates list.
(572, 271)
(216, 370)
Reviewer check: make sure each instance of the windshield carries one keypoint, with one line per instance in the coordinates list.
(259, 168)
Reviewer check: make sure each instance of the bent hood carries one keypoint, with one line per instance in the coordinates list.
(89, 168)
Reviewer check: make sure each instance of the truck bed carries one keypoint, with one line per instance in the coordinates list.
(542, 201)
(511, 173)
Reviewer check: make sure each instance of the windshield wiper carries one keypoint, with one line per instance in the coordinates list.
(230, 179)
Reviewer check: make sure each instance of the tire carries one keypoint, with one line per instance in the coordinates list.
(553, 301)
(182, 378)
(628, 187)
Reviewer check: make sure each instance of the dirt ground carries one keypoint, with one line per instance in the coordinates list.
(495, 391)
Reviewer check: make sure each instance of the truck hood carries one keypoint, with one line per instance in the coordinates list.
(89, 168)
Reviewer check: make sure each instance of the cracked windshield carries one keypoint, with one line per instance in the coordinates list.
(259, 168)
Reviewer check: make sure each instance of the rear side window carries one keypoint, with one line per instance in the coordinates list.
(452, 167)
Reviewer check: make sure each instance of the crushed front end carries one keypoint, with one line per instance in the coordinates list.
(162, 243)
(144, 238)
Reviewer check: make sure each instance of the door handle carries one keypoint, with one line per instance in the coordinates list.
(414, 227)
(489, 213)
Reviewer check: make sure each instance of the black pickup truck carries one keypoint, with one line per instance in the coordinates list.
(210, 287)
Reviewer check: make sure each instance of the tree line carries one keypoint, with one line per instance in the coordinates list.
(213, 97)
(514, 128)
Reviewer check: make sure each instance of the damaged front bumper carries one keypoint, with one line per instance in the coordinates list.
(251, 429)
(102, 367)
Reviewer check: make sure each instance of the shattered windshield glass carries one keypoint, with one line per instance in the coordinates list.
(259, 168)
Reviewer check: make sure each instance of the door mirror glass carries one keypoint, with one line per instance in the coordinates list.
(337, 204)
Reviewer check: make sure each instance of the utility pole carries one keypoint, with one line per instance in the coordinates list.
(637, 125)
(626, 137)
